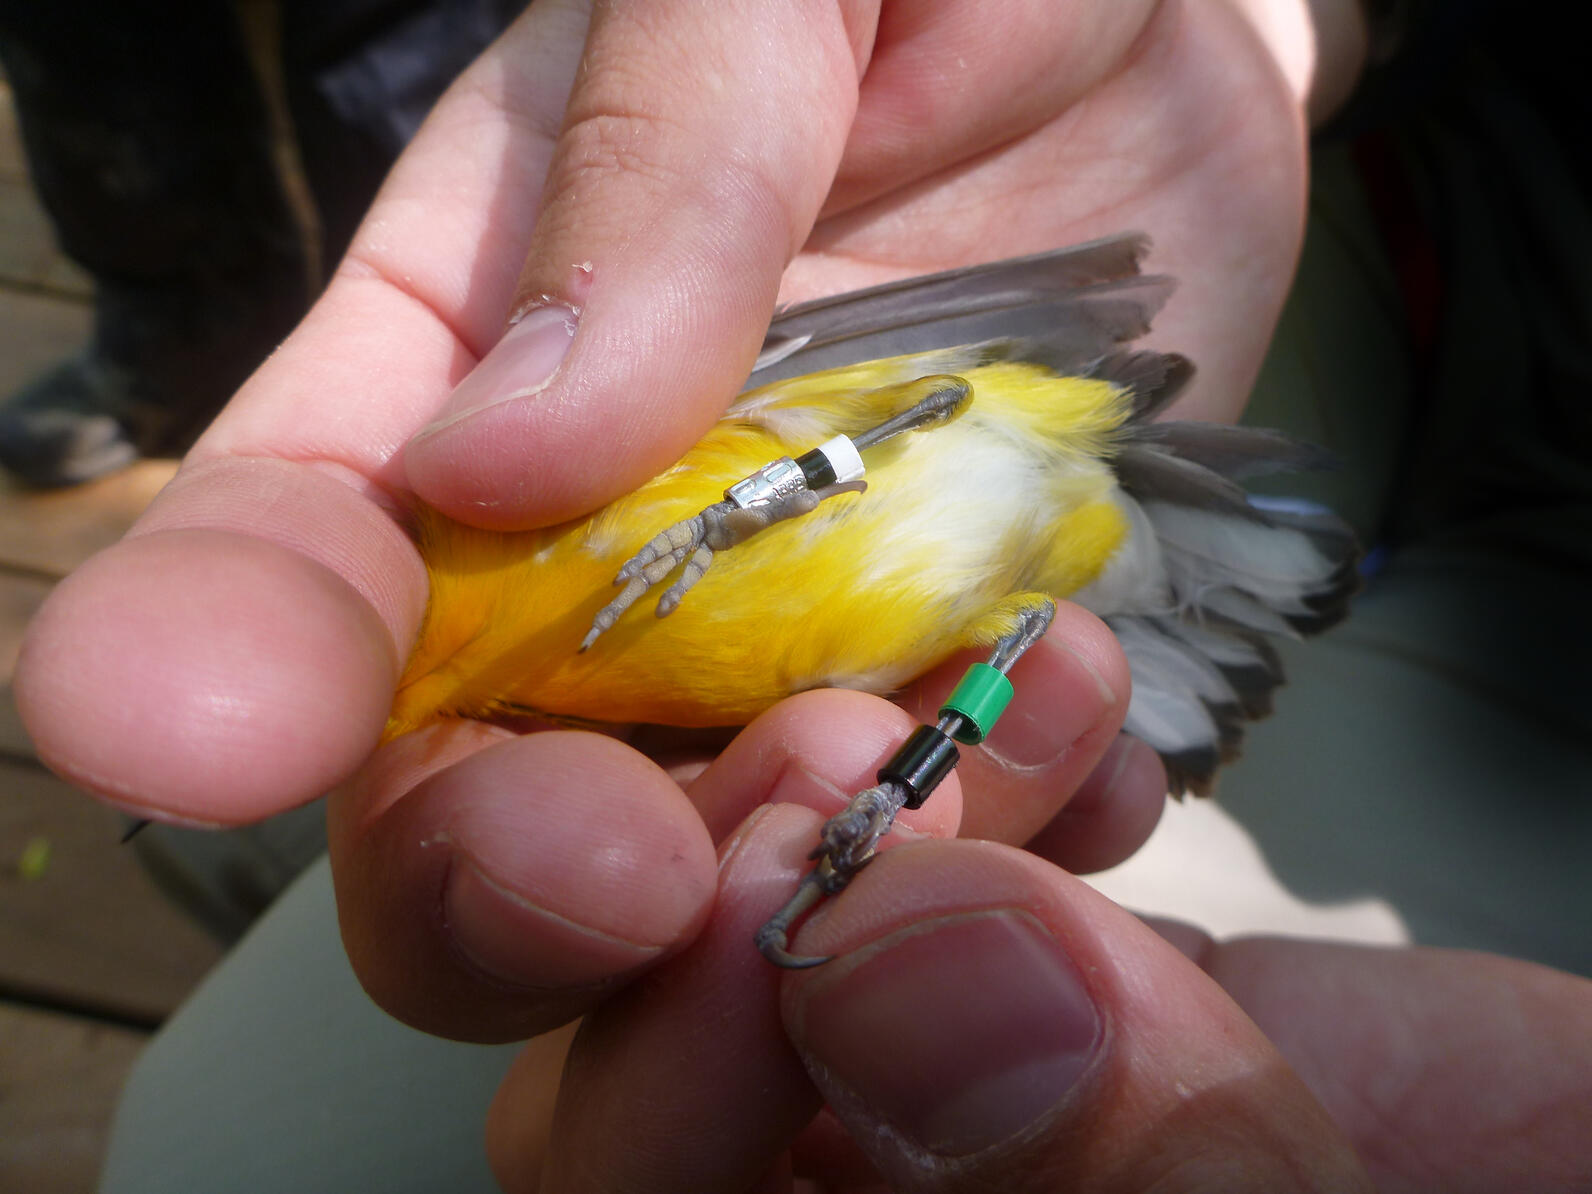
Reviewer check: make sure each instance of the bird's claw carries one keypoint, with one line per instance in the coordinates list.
(773, 939)
(691, 541)
(823, 881)
(846, 844)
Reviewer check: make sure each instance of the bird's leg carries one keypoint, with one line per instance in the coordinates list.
(694, 541)
(778, 491)
(848, 840)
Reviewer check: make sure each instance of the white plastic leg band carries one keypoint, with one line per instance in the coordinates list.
(844, 458)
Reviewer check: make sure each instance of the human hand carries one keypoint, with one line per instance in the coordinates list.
(991, 1023)
(236, 654)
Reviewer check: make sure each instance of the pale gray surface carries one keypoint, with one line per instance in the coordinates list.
(1425, 778)
(279, 1074)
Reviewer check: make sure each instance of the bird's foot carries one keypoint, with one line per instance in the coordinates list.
(847, 843)
(848, 840)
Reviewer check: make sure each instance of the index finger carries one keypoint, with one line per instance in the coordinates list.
(236, 655)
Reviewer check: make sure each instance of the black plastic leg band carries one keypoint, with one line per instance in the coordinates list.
(817, 470)
(922, 762)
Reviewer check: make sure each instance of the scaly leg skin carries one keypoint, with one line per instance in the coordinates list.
(694, 541)
(848, 840)
(784, 489)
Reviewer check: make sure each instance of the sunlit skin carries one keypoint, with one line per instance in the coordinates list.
(238, 654)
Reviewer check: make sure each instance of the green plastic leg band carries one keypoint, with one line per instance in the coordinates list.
(980, 697)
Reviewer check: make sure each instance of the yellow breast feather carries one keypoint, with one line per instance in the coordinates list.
(867, 591)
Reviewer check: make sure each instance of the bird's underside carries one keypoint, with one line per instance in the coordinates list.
(948, 504)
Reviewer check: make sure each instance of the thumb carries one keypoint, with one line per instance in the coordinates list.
(679, 189)
(990, 1023)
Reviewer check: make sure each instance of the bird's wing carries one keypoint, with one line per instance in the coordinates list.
(1068, 308)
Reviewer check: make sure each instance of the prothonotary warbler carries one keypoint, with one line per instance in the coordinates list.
(913, 470)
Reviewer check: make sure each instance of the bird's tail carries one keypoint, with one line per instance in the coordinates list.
(1234, 571)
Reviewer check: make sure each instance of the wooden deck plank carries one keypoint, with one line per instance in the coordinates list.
(51, 532)
(29, 257)
(61, 1078)
(91, 931)
(36, 330)
(14, 741)
(13, 165)
(20, 597)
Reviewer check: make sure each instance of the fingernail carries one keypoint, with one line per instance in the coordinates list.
(1036, 733)
(959, 1033)
(516, 941)
(519, 365)
(140, 813)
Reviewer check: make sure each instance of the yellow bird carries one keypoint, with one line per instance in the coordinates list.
(919, 468)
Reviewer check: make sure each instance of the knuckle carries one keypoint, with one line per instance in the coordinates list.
(598, 145)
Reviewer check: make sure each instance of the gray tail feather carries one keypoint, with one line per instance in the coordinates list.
(1236, 573)
(1153, 379)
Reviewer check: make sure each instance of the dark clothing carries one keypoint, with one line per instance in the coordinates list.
(150, 144)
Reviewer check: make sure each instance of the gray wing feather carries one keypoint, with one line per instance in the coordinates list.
(1235, 452)
(1068, 307)
(1153, 474)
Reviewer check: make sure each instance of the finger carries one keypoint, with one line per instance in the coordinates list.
(700, 1045)
(686, 1082)
(164, 676)
(1195, 103)
(519, 1123)
(1112, 813)
(817, 749)
(1070, 696)
(679, 190)
(1447, 1070)
(945, 83)
(491, 887)
(991, 1023)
